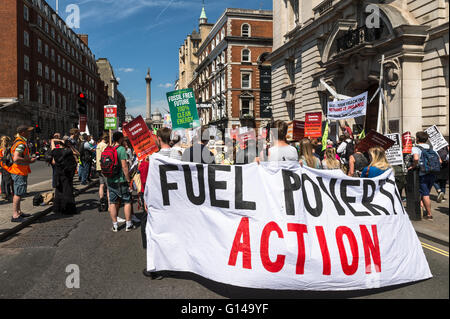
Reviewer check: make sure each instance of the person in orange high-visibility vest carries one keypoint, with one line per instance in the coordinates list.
(20, 170)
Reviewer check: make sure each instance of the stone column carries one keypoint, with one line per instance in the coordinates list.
(411, 91)
(148, 80)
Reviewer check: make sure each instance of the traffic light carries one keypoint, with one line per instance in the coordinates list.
(82, 106)
(37, 129)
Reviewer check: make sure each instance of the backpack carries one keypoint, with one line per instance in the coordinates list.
(109, 162)
(7, 158)
(429, 161)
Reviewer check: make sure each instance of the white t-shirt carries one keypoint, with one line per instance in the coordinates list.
(283, 153)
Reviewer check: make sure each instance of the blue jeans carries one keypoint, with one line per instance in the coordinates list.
(83, 172)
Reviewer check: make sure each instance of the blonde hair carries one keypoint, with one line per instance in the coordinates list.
(306, 150)
(5, 142)
(378, 156)
(330, 159)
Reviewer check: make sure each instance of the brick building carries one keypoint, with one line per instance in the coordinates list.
(44, 65)
(231, 66)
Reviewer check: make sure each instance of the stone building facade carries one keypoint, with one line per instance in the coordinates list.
(187, 58)
(44, 65)
(231, 67)
(115, 97)
(341, 42)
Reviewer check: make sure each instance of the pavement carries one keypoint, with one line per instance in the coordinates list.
(8, 228)
(436, 230)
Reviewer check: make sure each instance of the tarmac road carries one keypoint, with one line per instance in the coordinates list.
(33, 264)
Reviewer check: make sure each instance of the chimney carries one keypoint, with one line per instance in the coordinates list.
(84, 38)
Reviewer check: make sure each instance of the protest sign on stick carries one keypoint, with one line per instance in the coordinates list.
(296, 131)
(373, 139)
(141, 138)
(313, 124)
(407, 143)
(436, 139)
(394, 154)
(183, 109)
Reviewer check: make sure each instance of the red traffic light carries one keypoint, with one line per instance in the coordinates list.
(81, 95)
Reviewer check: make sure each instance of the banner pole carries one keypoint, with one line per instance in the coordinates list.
(110, 137)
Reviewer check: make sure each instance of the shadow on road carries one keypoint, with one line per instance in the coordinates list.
(235, 292)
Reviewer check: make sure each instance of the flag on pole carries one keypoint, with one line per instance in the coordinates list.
(325, 138)
(362, 135)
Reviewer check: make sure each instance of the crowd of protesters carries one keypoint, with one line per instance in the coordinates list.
(82, 154)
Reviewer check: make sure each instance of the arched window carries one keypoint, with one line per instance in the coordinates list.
(246, 55)
(246, 30)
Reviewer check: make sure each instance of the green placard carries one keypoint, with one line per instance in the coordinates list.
(183, 109)
(111, 123)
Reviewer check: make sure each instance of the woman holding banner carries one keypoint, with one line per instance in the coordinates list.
(378, 164)
(307, 157)
(330, 161)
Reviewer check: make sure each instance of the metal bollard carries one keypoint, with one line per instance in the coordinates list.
(413, 195)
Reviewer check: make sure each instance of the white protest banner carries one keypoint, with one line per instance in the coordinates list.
(349, 108)
(436, 139)
(279, 226)
(394, 154)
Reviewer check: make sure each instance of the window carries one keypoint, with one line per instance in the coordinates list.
(26, 91)
(245, 107)
(246, 55)
(53, 76)
(39, 20)
(26, 63)
(53, 96)
(39, 68)
(26, 13)
(245, 30)
(46, 50)
(40, 94)
(46, 27)
(39, 46)
(47, 73)
(290, 68)
(245, 81)
(26, 38)
(47, 95)
(291, 110)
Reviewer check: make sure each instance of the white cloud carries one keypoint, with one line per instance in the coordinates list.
(165, 85)
(126, 70)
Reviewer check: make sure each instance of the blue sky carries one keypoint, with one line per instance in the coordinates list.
(139, 34)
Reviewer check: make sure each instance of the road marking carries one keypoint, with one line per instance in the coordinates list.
(435, 249)
(39, 184)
